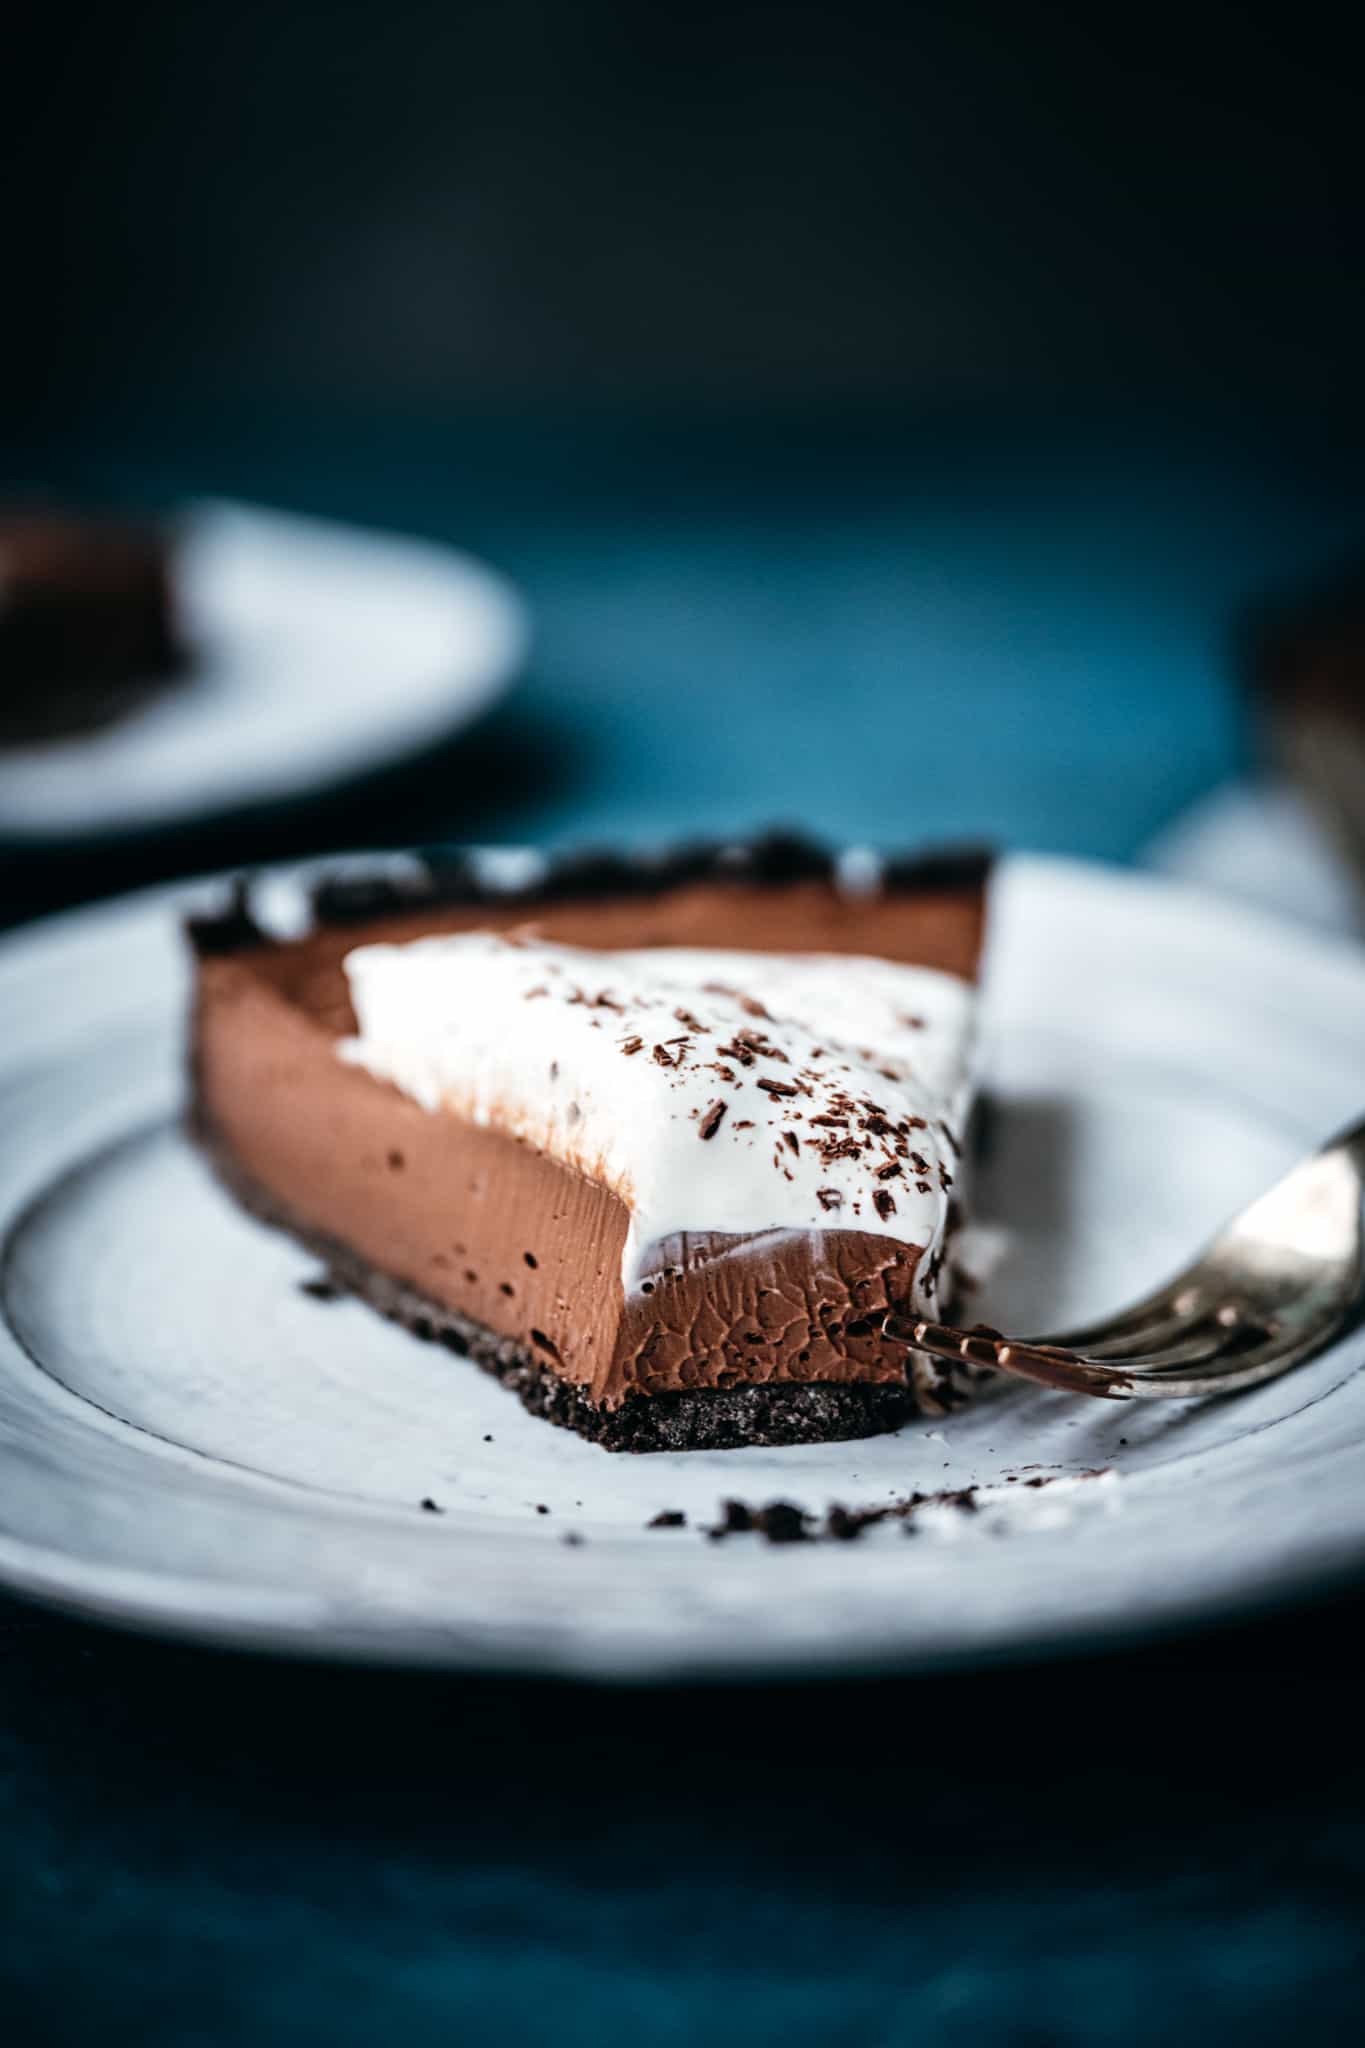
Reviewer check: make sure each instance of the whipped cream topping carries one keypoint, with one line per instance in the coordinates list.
(712, 1090)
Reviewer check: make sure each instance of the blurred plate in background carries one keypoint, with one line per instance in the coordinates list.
(319, 652)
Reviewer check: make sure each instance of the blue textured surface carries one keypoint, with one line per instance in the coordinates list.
(202, 1850)
(972, 626)
(884, 631)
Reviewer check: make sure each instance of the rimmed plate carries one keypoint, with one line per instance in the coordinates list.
(320, 652)
(190, 1443)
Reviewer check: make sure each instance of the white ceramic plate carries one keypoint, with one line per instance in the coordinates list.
(190, 1444)
(320, 651)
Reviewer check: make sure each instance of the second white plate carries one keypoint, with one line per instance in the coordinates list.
(319, 652)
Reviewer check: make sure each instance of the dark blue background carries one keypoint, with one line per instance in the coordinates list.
(1147, 1849)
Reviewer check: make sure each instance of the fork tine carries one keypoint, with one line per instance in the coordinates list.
(1218, 1348)
(1252, 1353)
(1206, 1340)
(1048, 1365)
(1052, 1367)
(1226, 1375)
(1061, 1364)
(1154, 1317)
(1132, 1341)
(1186, 1370)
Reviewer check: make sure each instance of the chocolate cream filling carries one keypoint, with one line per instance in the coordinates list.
(497, 1236)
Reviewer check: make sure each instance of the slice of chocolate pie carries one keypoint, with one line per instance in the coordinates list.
(87, 623)
(660, 1144)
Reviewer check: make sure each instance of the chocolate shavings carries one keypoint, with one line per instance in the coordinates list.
(712, 1119)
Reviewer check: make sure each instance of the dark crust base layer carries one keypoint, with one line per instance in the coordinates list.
(705, 1420)
(449, 876)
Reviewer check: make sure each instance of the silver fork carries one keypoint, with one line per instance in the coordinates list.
(1271, 1289)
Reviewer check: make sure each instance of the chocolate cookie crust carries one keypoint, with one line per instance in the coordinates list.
(440, 878)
